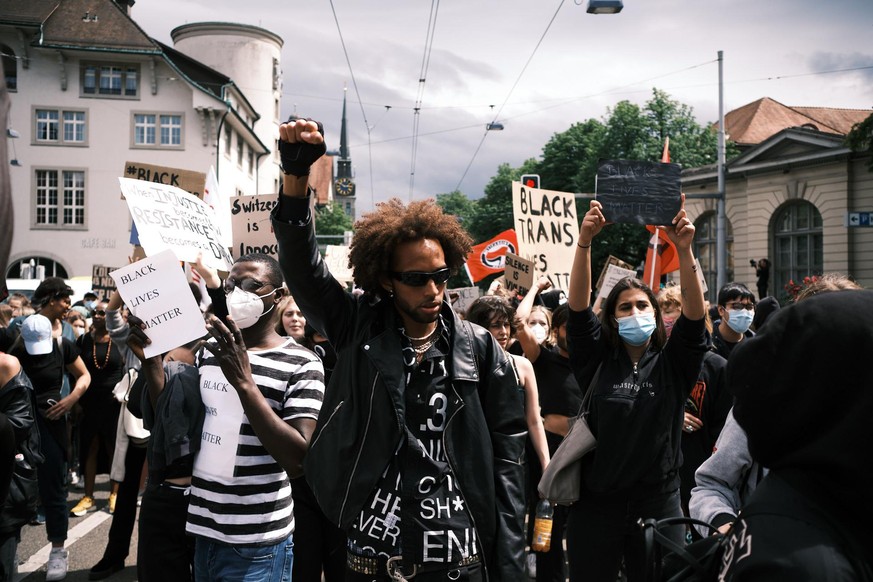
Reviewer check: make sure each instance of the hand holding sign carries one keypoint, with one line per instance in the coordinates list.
(638, 192)
(681, 233)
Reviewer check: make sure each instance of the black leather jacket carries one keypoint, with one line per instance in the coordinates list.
(359, 428)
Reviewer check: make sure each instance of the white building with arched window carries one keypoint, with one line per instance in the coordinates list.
(789, 195)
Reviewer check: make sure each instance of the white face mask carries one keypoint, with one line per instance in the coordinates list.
(539, 332)
(246, 308)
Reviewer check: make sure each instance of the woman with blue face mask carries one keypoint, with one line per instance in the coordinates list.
(639, 381)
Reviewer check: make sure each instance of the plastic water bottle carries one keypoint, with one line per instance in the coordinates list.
(542, 534)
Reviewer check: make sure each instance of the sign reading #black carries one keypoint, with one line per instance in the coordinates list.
(637, 192)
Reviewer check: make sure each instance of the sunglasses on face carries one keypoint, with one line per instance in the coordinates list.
(250, 285)
(420, 278)
(100, 312)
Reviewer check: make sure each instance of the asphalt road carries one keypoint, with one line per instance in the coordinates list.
(86, 540)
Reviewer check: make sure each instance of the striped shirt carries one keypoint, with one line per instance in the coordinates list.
(239, 493)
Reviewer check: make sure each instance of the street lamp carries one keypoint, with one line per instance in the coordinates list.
(605, 6)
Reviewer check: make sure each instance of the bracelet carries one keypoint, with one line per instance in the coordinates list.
(588, 246)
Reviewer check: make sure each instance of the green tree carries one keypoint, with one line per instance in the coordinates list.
(860, 138)
(570, 158)
(332, 219)
(494, 210)
(458, 204)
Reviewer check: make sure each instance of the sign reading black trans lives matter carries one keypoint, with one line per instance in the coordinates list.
(168, 218)
(637, 192)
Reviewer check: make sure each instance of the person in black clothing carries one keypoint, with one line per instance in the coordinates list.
(707, 406)
(560, 399)
(420, 450)
(640, 381)
(803, 396)
(20, 453)
(736, 311)
(762, 272)
(45, 360)
(100, 409)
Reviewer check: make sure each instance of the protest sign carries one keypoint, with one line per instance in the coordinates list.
(193, 182)
(101, 282)
(638, 192)
(250, 222)
(337, 259)
(519, 274)
(462, 298)
(167, 217)
(156, 291)
(613, 274)
(547, 228)
(612, 260)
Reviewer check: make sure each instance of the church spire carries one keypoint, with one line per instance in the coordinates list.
(344, 135)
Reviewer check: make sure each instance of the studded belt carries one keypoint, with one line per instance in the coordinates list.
(374, 566)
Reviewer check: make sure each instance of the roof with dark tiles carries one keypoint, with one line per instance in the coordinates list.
(94, 25)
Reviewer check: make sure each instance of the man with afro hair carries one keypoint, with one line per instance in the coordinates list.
(418, 454)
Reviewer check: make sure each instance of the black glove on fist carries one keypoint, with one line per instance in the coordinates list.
(297, 157)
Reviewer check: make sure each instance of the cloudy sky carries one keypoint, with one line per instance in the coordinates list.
(789, 50)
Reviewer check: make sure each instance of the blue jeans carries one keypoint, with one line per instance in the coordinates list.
(216, 562)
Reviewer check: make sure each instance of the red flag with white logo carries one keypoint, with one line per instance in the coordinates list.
(488, 257)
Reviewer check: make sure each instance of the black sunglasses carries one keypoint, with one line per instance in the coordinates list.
(420, 278)
(99, 312)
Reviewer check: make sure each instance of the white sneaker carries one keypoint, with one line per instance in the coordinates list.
(57, 564)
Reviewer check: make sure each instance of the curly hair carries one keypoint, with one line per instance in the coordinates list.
(379, 233)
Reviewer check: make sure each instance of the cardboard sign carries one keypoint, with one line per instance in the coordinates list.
(613, 275)
(612, 261)
(337, 259)
(168, 218)
(250, 222)
(519, 274)
(638, 192)
(193, 182)
(462, 298)
(156, 290)
(101, 281)
(547, 228)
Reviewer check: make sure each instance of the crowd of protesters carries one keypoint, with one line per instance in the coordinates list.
(375, 434)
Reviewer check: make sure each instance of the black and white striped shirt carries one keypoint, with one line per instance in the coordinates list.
(239, 493)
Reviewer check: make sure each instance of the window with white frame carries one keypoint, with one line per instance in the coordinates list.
(110, 80)
(157, 130)
(57, 126)
(59, 198)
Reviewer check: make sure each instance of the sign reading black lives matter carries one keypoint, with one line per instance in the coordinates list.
(637, 192)
(155, 290)
(167, 217)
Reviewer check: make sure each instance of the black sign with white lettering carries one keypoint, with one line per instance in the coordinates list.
(637, 192)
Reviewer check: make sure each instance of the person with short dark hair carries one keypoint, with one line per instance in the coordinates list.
(736, 311)
(762, 272)
(420, 451)
(262, 393)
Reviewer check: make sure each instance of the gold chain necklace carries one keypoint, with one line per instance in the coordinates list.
(94, 354)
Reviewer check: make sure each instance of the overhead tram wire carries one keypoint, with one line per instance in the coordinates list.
(612, 91)
(422, 78)
(508, 95)
(360, 101)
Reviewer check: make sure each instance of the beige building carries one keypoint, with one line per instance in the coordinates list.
(90, 91)
(790, 195)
